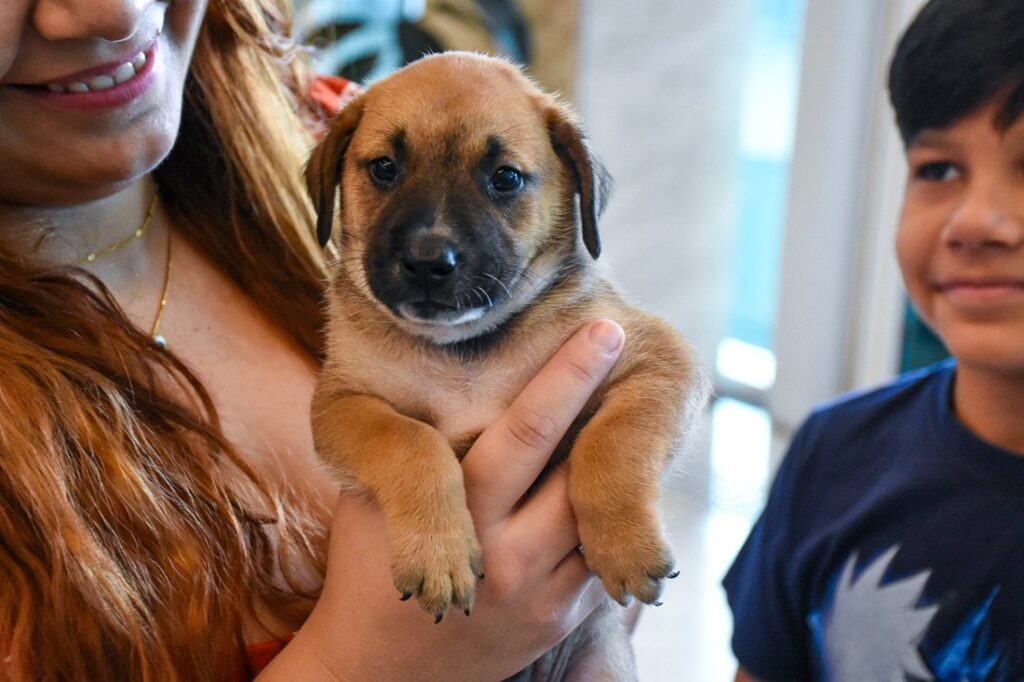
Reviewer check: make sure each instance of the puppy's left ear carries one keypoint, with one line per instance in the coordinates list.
(592, 180)
(323, 170)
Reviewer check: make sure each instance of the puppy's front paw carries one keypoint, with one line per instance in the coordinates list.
(440, 566)
(629, 554)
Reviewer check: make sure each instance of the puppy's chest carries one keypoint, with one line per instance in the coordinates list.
(461, 414)
(459, 399)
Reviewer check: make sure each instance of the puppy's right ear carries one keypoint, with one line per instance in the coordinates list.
(323, 170)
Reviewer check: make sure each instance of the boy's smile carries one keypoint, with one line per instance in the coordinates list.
(961, 238)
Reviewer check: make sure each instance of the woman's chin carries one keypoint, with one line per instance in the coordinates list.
(86, 177)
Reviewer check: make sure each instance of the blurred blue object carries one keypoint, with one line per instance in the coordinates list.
(372, 38)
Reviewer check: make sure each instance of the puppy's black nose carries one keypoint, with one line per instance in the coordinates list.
(431, 259)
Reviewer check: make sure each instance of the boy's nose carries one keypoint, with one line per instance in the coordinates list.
(990, 217)
(110, 20)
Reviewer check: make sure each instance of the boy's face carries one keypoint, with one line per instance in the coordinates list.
(961, 238)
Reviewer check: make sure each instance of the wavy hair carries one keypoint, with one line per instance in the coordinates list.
(124, 550)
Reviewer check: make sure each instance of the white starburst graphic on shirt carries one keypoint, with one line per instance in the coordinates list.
(873, 630)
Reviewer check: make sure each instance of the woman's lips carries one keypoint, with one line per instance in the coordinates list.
(102, 78)
(104, 87)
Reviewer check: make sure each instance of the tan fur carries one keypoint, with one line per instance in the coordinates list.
(395, 409)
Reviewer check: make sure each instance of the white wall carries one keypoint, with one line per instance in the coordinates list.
(840, 308)
(659, 93)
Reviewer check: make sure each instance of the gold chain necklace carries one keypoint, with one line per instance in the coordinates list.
(154, 332)
(116, 246)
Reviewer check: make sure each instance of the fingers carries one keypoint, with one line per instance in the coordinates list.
(510, 454)
(547, 514)
(573, 577)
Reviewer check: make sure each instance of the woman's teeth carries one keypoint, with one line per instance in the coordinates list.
(122, 74)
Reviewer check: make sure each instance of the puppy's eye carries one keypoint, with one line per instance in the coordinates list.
(506, 180)
(383, 170)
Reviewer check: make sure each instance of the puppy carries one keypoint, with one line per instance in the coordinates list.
(469, 206)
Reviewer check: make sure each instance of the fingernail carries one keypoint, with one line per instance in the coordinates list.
(608, 336)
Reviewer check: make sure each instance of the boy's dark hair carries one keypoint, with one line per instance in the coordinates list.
(954, 57)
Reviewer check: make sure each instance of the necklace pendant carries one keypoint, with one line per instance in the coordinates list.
(160, 341)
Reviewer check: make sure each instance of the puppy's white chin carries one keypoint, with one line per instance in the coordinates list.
(481, 320)
(454, 319)
(462, 325)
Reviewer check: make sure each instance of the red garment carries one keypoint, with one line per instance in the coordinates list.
(259, 657)
(333, 93)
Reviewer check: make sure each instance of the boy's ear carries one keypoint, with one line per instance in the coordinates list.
(592, 180)
(325, 165)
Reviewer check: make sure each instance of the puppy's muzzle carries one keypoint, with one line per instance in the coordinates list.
(427, 275)
(429, 266)
(429, 261)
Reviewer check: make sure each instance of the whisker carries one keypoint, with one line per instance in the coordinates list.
(512, 127)
(484, 294)
(500, 283)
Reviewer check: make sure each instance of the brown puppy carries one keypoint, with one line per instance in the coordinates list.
(465, 263)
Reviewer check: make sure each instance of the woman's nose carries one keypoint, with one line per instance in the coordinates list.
(989, 217)
(111, 20)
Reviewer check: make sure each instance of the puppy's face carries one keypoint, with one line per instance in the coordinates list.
(458, 182)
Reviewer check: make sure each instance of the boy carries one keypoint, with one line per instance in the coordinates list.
(892, 544)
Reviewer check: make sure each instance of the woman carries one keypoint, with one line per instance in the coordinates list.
(162, 514)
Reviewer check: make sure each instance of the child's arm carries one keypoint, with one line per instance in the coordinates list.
(743, 676)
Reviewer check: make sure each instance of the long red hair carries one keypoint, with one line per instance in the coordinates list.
(124, 551)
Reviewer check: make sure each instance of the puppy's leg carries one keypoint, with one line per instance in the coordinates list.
(414, 476)
(616, 467)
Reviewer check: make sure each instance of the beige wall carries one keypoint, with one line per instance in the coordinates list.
(459, 24)
(555, 43)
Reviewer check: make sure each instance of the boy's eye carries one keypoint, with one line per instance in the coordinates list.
(937, 171)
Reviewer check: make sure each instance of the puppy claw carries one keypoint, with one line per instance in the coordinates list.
(648, 591)
(438, 617)
(631, 562)
(673, 575)
(405, 596)
(439, 569)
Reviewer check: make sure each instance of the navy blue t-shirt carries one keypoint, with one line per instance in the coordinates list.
(891, 548)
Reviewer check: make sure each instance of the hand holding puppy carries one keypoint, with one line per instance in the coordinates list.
(537, 588)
